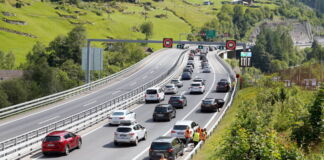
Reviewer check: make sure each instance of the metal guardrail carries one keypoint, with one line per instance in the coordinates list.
(210, 131)
(25, 143)
(8, 111)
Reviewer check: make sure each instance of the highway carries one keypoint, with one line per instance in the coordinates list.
(157, 65)
(98, 144)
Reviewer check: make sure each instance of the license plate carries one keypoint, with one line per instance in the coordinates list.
(122, 135)
(160, 115)
(159, 154)
(180, 133)
(50, 145)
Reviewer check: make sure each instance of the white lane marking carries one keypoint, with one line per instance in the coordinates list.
(115, 92)
(182, 93)
(152, 71)
(90, 103)
(48, 120)
(144, 77)
(145, 150)
(98, 90)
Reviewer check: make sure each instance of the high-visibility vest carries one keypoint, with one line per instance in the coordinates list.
(196, 137)
(187, 133)
(203, 136)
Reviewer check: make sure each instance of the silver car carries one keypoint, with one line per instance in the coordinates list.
(206, 70)
(171, 89)
(177, 82)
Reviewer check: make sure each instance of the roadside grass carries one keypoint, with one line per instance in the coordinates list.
(43, 22)
(215, 141)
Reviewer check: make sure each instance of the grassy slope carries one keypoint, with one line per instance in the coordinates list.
(217, 138)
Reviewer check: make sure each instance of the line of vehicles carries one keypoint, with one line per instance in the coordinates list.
(131, 132)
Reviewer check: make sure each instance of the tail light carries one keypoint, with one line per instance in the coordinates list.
(180, 101)
(151, 150)
(158, 96)
(121, 117)
(131, 134)
(116, 133)
(173, 131)
(109, 118)
(145, 95)
(170, 150)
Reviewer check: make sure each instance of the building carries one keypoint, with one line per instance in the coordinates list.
(10, 74)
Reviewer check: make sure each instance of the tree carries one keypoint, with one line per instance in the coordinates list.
(147, 29)
(15, 90)
(38, 52)
(3, 98)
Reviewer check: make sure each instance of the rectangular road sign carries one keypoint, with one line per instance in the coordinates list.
(96, 59)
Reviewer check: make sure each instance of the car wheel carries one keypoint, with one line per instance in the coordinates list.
(186, 103)
(182, 152)
(175, 114)
(170, 117)
(67, 150)
(145, 136)
(116, 143)
(136, 142)
(45, 154)
(79, 144)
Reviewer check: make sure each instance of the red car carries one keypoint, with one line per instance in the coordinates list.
(60, 142)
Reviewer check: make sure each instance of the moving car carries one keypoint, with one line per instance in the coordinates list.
(197, 79)
(191, 58)
(154, 94)
(180, 127)
(197, 87)
(186, 76)
(190, 66)
(177, 82)
(178, 101)
(129, 132)
(188, 69)
(169, 147)
(119, 115)
(211, 104)
(164, 112)
(191, 63)
(170, 89)
(223, 86)
(206, 70)
(60, 142)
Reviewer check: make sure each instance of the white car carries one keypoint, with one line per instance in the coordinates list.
(177, 82)
(206, 70)
(197, 87)
(119, 115)
(129, 132)
(154, 94)
(171, 89)
(180, 127)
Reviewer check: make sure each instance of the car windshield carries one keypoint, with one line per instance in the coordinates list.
(118, 113)
(197, 80)
(195, 84)
(186, 73)
(180, 127)
(169, 86)
(221, 83)
(175, 98)
(123, 129)
(160, 109)
(52, 138)
(223, 80)
(151, 91)
(207, 101)
(174, 81)
(160, 146)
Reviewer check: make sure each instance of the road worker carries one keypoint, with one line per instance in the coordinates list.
(188, 136)
(196, 137)
(203, 135)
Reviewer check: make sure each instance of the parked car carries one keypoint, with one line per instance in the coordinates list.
(164, 112)
(206, 70)
(171, 89)
(177, 82)
(191, 58)
(197, 87)
(178, 101)
(129, 132)
(60, 142)
(170, 147)
(197, 79)
(155, 94)
(223, 86)
(186, 76)
(180, 127)
(211, 104)
(117, 116)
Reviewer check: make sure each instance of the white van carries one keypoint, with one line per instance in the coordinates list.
(154, 94)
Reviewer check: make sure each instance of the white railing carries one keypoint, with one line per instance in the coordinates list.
(18, 108)
(27, 143)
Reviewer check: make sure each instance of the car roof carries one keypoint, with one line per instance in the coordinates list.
(184, 122)
(57, 133)
(168, 139)
(208, 99)
(163, 105)
(153, 88)
(223, 80)
(119, 111)
(170, 84)
(196, 83)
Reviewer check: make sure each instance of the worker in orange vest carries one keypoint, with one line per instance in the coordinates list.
(199, 130)
(203, 135)
(188, 136)
(162, 157)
